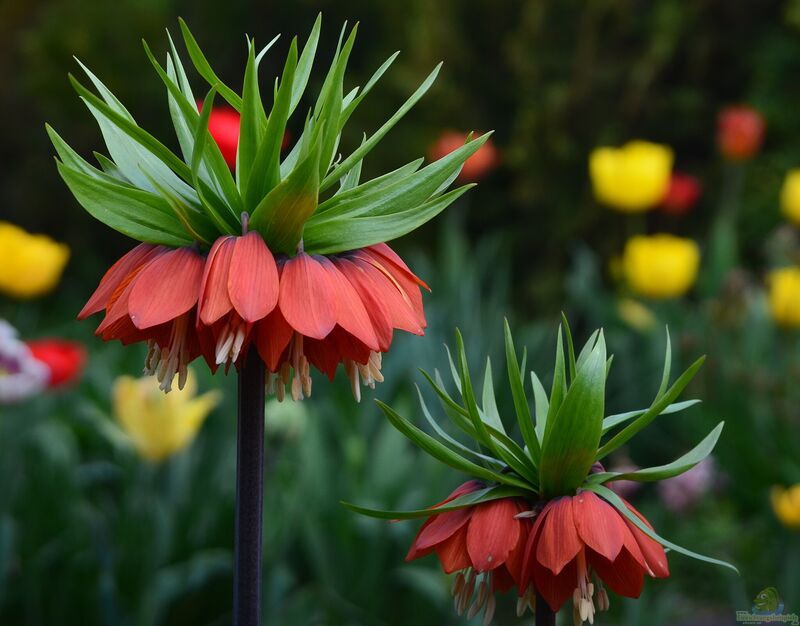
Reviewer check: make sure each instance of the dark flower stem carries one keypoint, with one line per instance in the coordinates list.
(545, 616)
(249, 493)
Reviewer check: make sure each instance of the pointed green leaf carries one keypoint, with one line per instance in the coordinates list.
(305, 64)
(541, 404)
(490, 412)
(617, 502)
(620, 418)
(661, 472)
(658, 406)
(521, 408)
(573, 434)
(573, 367)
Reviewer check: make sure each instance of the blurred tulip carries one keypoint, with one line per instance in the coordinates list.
(21, 375)
(30, 265)
(681, 493)
(636, 315)
(64, 359)
(159, 424)
(660, 266)
(786, 504)
(790, 195)
(475, 167)
(223, 124)
(784, 296)
(740, 132)
(632, 178)
(682, 194)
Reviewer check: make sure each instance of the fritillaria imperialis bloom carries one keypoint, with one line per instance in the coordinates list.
(783, 296)
(475, 167)
(30, 265)
(632, 178)
(539, 516)
(160, 425)
(483, 543)
(682, 194)
(660, 266)
(64, 359)
(740, 132)
(581, 540)
(286, 255)
(786, 505)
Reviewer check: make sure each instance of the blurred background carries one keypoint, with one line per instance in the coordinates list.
(105, 519)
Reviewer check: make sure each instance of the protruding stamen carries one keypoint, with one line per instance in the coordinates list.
(167, 362)
(583, 605)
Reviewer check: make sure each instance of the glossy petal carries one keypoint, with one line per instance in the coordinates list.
(307, 297)
(351, 314)
(443, 527)
(134, 259)
(253, 278)
(624, 576)
(414, 552)
(273, 334)
(214, 299)
(555, 589)
(376, 308)
(653, 551)
(597, 523)
(383, 250)
(401, 313)
(453, 553)
(558, 543)
(492, 534)
(167, 288)
(404, 282)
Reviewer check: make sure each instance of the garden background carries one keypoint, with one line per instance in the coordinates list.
(93, 533)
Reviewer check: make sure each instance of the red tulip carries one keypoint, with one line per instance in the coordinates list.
(485, 539)
(740, 132)
(575, 533)
(682, 194)
(476, 166)
(223, 124)
(298, 311)
(64, 359)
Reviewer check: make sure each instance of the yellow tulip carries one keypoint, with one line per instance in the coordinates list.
(632, 178)
(160, 424)
(660, 266)
(636, 315)
(30, 265)
(790, 195)
(786, 504)
(784, 296)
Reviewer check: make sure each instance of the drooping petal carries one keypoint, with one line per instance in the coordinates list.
(624, 575)
(597, 523)
(350, 312)
(555, 589)
(134, 259)
(323, 353)
(653, 551)
(406, 287)
(167, 288)
(443, 527)
(529, 551)
(273, 334)
(307, 297)
(502, 579)
(558, 542)
(414, 552)
(214, 299)
(376, 308)
(452, 552)
(399, 308)
(389, 255)
(253, 278)
(492, 533)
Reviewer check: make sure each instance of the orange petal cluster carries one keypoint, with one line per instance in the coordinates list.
(300, 311)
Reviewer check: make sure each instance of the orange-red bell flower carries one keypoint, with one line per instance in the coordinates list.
(575, 536)
(484, 541)
(297, 311)
(682, 194)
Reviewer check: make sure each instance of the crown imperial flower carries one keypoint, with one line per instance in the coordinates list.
(285, 255)
(541, 516)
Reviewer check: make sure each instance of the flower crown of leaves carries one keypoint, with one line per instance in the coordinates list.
(568, 437)
(146, 191)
